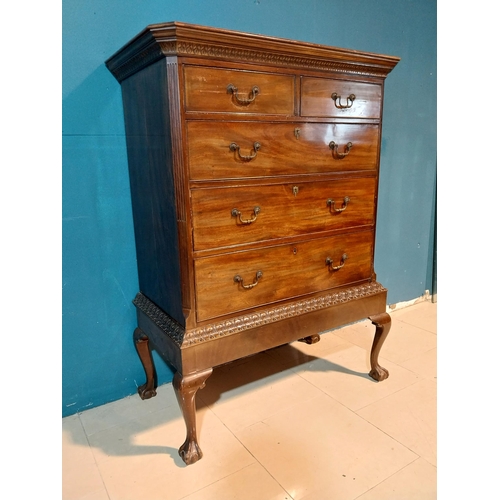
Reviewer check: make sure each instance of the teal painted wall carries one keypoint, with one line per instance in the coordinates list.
(99, 362)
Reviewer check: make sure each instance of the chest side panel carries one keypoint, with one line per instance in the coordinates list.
(150, 159)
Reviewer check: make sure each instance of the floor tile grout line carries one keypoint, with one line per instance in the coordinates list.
(414, 357)
(413, 325)
(355, 412)
(96, 463)
(341, 404)
(128, 420)
(388, 477)
(382, 398)
(416, 324)
(417, 456)
(215, 482)
(417, 381)
(298, 369)
(385, 432)
(257, 460)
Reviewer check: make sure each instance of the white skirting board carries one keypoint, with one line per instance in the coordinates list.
(426, 297)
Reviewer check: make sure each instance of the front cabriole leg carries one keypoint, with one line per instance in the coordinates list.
(185, 390)
(382, 324)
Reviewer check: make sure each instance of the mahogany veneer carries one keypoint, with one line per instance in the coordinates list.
(254, 177)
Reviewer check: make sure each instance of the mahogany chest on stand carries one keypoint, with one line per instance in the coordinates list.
(254, 165)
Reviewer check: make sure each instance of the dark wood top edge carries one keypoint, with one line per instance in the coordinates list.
(157, 41)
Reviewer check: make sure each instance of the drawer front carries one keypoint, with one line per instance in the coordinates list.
(220, 90)
(244, 150)
(276, 273)
(236, 215)
(339, 98)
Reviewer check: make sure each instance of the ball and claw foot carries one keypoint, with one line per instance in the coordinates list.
(379, 373)
(190, 452)
(146, 392)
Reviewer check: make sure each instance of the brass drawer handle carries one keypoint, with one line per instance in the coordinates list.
(329, 263)
(331, 203)
(239, 279)
(234, 147)
(340, 106)
(236, 213)
(232, 89)
(334, 147)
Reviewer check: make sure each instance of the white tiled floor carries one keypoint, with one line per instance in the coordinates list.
(297, 422)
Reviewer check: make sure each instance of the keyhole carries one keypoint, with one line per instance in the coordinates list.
(294, 250)
(297, 133)
(295, 190)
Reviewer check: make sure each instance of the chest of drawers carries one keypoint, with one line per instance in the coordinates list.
(254, 178)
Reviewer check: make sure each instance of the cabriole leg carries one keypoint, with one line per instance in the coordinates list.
(141, 341)
(185, 390)
(382, 324)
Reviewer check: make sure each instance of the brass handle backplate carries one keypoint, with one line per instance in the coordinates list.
(236, 213)
(329, 263)
(239, 279)
(244, 101)
(348, 104)
(234, 147)
(334, 147)
(331, 203)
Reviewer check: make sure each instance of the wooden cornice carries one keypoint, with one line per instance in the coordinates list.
(179, 39)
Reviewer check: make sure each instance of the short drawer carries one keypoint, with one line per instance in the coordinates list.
(229, 216)
(340, 98)
(243, 150)
(239, 281)
(232, 91)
